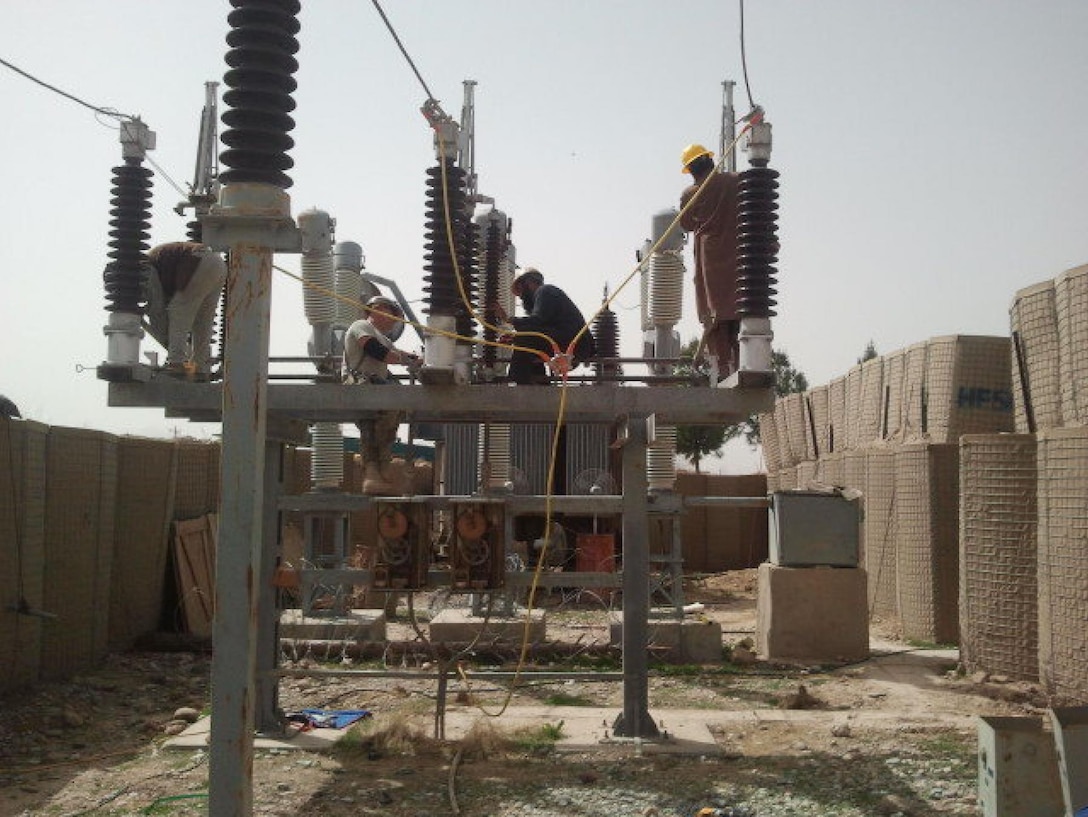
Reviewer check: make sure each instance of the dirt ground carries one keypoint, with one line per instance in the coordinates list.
(891, 735)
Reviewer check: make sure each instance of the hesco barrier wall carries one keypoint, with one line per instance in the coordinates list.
(871, 402)
(85, 517)
(935, 391)
(912, 405)
(80, 496)
(1035, 361)
(719, 539)
(22, 558)
(973, 579)
(927, 541)
(768, 434)
(999, 611)
(1063, 562)
(879, 501)
(836, 415)
(819, 413)
(147, 476)
(1071, 304)
(895, 373)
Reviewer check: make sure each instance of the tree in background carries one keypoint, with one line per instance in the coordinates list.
(695, 443)
(787, 380)
(869, 353)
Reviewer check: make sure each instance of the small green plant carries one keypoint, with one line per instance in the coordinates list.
(948, 746)
(601, 663)
(539, 740)
(552, 731)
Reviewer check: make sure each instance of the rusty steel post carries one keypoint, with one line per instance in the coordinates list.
(251, 221)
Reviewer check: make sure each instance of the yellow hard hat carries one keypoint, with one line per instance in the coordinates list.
(691, 153)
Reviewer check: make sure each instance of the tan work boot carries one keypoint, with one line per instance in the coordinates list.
(374, 483)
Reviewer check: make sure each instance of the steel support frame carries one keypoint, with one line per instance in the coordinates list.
(635, 721)
(251, 222)
(244, 687)
(472, 403)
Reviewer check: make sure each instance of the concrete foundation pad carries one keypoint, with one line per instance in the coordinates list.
(198, 736)
(812, 613)
(589, 729)
(460, 626)
(357, 625)
(686, 641)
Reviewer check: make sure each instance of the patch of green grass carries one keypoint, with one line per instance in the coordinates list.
(919, 644)
(166, 805)
(948, 745)
(679, 670)
(565, 699)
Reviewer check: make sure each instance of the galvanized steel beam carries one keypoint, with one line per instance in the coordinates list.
(332, 402)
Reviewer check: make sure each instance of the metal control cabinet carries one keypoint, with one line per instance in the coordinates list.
(1017, 769)
(478, 556)
(1070, 726)
(809, 529)
(404, 546)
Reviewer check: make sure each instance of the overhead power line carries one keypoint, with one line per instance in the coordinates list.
(400, 45)
(744, 58)
(56, 90)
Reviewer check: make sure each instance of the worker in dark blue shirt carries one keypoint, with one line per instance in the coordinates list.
(549, 311)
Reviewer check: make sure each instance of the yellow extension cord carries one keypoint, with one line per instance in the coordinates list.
(564, 383)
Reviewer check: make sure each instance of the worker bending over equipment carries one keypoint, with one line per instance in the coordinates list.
(183, 290)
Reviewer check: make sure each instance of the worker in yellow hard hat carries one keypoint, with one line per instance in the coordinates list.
(712, 219)
(690, 154)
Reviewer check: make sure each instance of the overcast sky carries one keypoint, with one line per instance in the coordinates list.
(932, 155)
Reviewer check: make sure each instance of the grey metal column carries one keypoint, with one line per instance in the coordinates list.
(269, 717)
(635, 720)
(251, 220)
(676, 567)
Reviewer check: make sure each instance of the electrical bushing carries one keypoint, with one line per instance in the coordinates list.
(757, 242)
(130, 218)
(606, 333)
(494, 251)
(440, 282)
(261, 60)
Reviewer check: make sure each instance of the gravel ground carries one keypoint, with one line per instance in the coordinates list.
(890, 736)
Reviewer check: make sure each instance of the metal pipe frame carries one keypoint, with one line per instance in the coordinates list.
(423, 675)
(336, 403)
